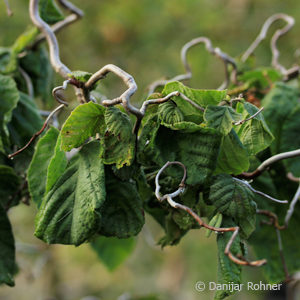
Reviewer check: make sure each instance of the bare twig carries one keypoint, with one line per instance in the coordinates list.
(291, 177)
(8, 10)
(259, 192)
(28, 82)
(76, 15)
(274, 222)
(227, 60)
(165, 99)
(174, 204)
(57, 89)
(280, 247)
(37, 133)
(262, 35)
(292, 207)
(269, 162)
(124, 99)
(46, 113)
(273, 218)
(56, 63)
(248, 119)
(59, 67)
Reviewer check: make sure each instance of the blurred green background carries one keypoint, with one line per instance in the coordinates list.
(144, 37)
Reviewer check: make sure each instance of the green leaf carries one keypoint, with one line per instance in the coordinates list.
(221, 117)
(193, 145)
(57, 165)
(169, 113)
(200, 97)
(85, 121)
(234, 199)
(8, 61)
(113, 251)
(37, 171)
(49, 11)
(290, 140)
(123, 214)
(260, 77)
(266, 235)
(20, 129)
(255, 133)
(80, 76)
(24, 40)
(119, 141)
(173, 233)
(233, 157)
(279, 104)
(7, 251)
(228, 271)
(9, 97)
(9, 185)
(37, 65)
(70, 212)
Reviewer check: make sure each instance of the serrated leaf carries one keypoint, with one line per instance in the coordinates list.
(9, 185)
(123, 214)
(200, 97)
(228, 271)
(37, 171)
(279, 104)
(85, 121)
(196, 147)
(113, 251)
(119, 141)
(233, 157)
(221, 117)
(9, 97)
(235, 200)
(255, 133)
(70, 212)
(7, 250)
(57, 165)
(169, 113)
(49, 11)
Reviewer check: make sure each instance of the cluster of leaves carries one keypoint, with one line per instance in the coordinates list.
(93, 179)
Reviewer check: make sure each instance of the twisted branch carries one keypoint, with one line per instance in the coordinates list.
(56, 63)
(124, 99)
(269, 162)
(76, 14)
(275, 52)
(59, 88)
(272, 217)
(174, 204)
(226, 59)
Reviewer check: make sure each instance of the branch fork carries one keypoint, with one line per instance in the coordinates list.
(176, 205)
